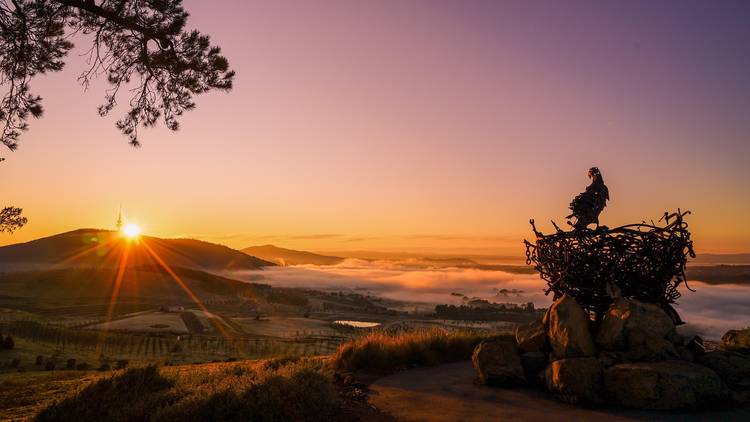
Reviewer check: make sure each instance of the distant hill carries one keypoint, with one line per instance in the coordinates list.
(103, 248)
(720, 274)
(717, 259)
(284, 256)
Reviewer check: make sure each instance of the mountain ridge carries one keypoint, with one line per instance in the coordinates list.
(96, 247)
(284, 256)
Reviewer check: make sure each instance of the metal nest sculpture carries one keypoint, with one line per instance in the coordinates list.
(642, 261)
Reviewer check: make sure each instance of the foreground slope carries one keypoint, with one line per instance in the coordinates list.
(104, 248)
(284, 256)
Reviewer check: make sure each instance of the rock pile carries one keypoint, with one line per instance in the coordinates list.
(634, 357)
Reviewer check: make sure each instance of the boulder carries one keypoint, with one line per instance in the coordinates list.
(626, 315)
(498, 363)
(575, 380)
(736, 341)
(608, 358)
(733, 368)
(533, 363)
(567, 328)
(664, 385)
(531, 337)
(645, 346)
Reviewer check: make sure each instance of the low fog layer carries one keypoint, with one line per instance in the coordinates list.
(710, 311)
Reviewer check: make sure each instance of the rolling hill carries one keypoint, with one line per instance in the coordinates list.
(105, 248)
(143, 284)
(284, 256)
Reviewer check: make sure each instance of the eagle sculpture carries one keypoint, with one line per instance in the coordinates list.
(589, 204)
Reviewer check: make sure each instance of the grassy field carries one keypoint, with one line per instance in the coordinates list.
(285, 326)
(383, 352)
(280, 389)
(157, 321)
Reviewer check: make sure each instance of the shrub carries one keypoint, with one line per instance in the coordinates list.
(39, 360)
(50, 365)
(122, 364)
(105, 367)
(83, 366)
(15, 363)
(298, 391)
(70, 364)
(126, 396)
(382, 352)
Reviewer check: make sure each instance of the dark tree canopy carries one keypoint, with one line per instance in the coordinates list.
(11, 219)
(140, 46)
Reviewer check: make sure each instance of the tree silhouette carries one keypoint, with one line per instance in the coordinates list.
(139, 45)
(11, 219)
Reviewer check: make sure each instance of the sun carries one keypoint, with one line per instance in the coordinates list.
(131, 231)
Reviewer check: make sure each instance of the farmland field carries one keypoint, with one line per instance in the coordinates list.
(146, 322)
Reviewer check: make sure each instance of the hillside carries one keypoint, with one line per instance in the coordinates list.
(718, 259)
(104, 248)
(284, 256)
(143, 284)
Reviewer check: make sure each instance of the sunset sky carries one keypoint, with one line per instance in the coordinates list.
(414, 125)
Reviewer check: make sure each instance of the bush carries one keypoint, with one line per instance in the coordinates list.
(126, 396)
(39, 360)
(105, 367)
(298, 391)
(122, 364)
(15, 363)
(8, 343)
(83, 366)
(70, 364)
(382, 352)
(50, 365)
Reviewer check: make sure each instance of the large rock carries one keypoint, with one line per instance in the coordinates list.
(625, 316)
(733, 368)
(533, 363)
(663, 385)
(531, 337)
(567, 329)
(737, 341)
(645, 346)
(498, 363)
(575, 380)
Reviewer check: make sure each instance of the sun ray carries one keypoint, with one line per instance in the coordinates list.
(80, 253)
(120, 274)
(187, 290)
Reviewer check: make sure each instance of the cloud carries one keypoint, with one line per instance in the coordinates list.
(710, 311)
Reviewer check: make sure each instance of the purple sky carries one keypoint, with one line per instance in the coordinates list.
(416, 124)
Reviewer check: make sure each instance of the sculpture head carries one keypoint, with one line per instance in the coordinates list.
(594, 173)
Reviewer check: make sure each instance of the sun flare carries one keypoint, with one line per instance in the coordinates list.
(131, 231)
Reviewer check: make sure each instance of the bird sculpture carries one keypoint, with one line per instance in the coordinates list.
(589, 204)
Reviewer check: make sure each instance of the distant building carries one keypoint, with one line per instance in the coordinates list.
(176, 308)
(118, 225)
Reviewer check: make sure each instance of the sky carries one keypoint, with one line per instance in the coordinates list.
(414, 125)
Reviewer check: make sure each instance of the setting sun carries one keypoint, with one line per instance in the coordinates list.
(131, 230)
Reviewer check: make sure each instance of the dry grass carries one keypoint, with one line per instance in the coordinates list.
(382, 352)
(277, 390)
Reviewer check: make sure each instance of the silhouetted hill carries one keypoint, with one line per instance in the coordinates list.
(105, 248)
(716, 259)
(284, 256)
(142, 284)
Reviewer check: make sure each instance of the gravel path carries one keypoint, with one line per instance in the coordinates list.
(448, 393)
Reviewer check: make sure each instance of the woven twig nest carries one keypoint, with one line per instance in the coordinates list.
(637, 261)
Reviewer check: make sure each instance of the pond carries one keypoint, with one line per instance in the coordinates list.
(357, 324)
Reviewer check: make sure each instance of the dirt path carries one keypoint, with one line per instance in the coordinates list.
(448, 393)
